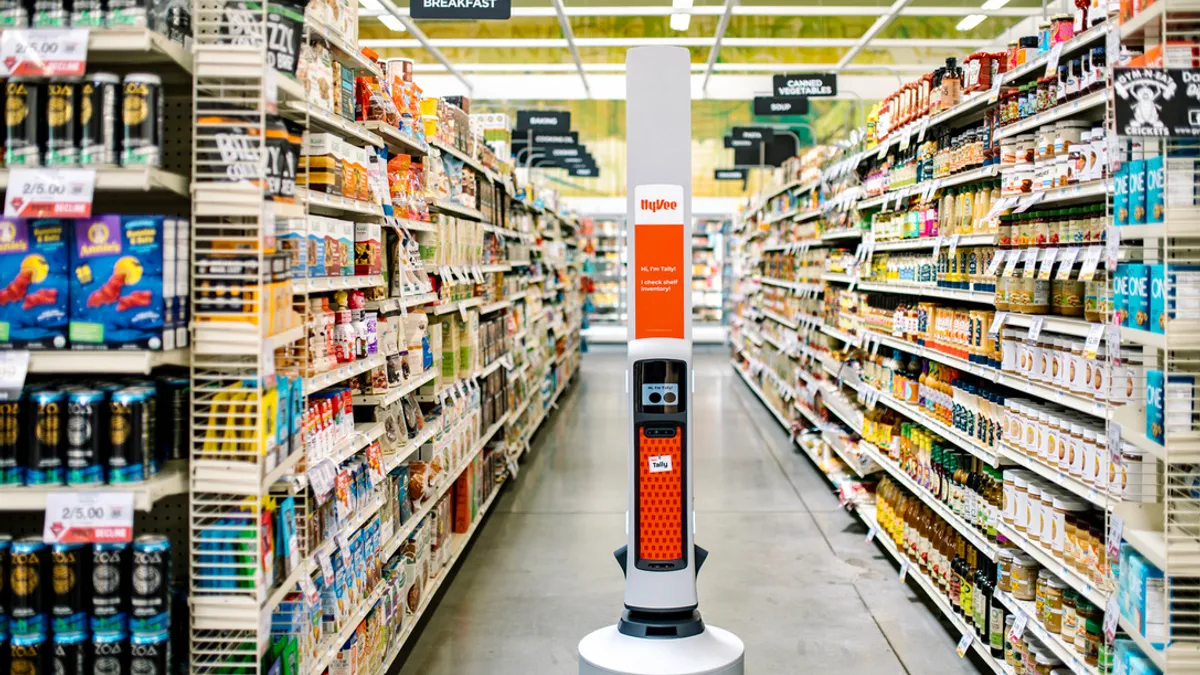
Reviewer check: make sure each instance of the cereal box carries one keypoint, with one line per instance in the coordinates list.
(118, 296)
(1155, 207)
(1121, 196)
(1137, 297)
(1136, 175)
(33, 283)
(1158, 298)
(1155, 383)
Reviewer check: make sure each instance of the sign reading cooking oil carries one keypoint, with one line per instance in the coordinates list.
(460, 9)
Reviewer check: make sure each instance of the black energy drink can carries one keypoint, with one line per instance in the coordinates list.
(24, 102)
(13, 14)
(30, 655)
(62, 121)
(71, 653)
(131, 433)
(5, 552)
(141, 120)
(11, 472)
(99, 121)
(87, 14)
(150, 605)
(50, 14)
(110, 590)
(69, 575)
(87, 433)
(110, 654)
(47, 446)
(27, 594)
(150, 654)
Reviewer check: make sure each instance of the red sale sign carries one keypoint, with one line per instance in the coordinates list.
(43, 52)
(85, 517)
(49, 193)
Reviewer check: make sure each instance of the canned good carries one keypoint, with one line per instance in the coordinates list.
(23, 108)
(110, 654)
(13, 14)
(110, 594)
(5, 654)
(87, 14)
(131, 432)
(27, 597)
(10, 447)
(86, 422)
(47, 444)
(68, 574)
(30, 655)
(71, 653)
(127, 13)
(50, 14)
(150, 654)
(62, 123)
(150, 606)
(142, 120)
(5, 551)
(174, 411)
(100, 126)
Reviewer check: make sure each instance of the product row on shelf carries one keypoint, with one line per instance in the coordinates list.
(378, 314)
(977, 316)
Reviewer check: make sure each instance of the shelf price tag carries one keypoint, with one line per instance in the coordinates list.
(14, 365)
(1035, 327)
(1092, 343)
(1031, 256)
(1018, 628)
(1112, 246)
(903, 570)
(1116, 527)
(1028, 201)
(994, 266)
(43, 52)
(997, 323)
(953, 244)
(49, 193)
(1112, 609)
(1091, 258)
(88, 517)
(964, 645)
(1047, 264)
(322, 477)
(1052, 60)
(326, 566)
(1067, 263)
(1010, 264)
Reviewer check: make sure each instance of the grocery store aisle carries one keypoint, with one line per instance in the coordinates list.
(788, 571)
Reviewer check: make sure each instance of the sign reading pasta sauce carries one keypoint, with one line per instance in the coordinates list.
(659, 275)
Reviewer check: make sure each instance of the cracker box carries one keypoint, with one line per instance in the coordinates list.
(316, 246)
(33, 282)
(367, 254)
(345, 241)
(120, 298)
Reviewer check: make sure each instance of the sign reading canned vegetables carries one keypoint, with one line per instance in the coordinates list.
(792, 85)
(461, 9)
(49, 193)
(88, 517)
(1156, 102)
(43, 52)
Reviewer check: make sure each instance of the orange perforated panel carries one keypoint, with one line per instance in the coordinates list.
(660, 497)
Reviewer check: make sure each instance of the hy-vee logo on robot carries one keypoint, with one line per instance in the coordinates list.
(656, 205)
(1153, 102)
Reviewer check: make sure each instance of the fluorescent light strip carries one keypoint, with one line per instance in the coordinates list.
(992, 5)
(392, 23)
(680, 21)
(971, 21)
(682, 4)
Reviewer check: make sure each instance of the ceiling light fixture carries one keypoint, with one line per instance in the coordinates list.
(994, 4)
(970, 21)
(680, 21)
(372, 5)
(392, 22)
(682, 4)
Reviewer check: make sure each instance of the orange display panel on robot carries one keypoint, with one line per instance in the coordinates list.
(660, 494)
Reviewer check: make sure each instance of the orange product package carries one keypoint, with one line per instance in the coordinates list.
(397, 170)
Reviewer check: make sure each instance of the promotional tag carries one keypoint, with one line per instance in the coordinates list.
(14, 366)
(1116, 527)
(905, 136)
(871, 534)
(1092, 343)
(997, 323)
(1052, 60)
(43, 52)
(325, 565)
(322, 476)
(883, 146)
(1047, 264)
(964, 644)
(309, 589)
(994, 94)
(1114, 442)
(1067, 263)
(953, 244)
(1031, 256)
(1028, 201)
(513, 468)
(903, 570)
(1112, 610)
(49, 193)
(1112, 245)
(924, 127)
(1018, 628)
(1035, 327)
(375, 462)
(994, 265)
(937, 246)
(1010, 265)
(1091, 258)
(88, 517)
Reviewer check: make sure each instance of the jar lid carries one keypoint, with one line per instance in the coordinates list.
(1045, 659)
(1044, 575)
(1021, 559)
(1072, 504)
(1004, 554)
(1056, 583)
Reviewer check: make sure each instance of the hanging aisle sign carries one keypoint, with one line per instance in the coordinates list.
(729, 174)
(771, 105)
(461, 9)
(731, 142)
(805, 84)
(545, 121)
(756, 134)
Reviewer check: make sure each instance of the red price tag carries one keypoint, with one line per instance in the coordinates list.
(88, 517)
(49, 193)
(43, 52)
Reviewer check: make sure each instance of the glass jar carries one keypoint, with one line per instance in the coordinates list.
(1004, 559)
(1039, 594)
(1052, 605)
(1092, 637)
(1024, 577)
(1044, 664)
(1070, 618)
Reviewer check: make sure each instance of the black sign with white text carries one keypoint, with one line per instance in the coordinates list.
(757, 134)
(500, 10)
(556, 121)
(805, 84)
(1153, 102)
(729, 174)
(738, 143)
(770, 105)
(584, 172)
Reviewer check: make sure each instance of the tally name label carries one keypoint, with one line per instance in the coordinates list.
(660, 463)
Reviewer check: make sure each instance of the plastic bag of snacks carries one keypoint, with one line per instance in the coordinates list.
(373, 102)
(418, 208)
(398, 171)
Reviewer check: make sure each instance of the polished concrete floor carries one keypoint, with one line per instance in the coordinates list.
(789, 571)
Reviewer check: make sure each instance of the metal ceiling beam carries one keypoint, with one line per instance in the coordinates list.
(875, 29)
(696, 67)
(716, 46)
(752, 10)
(555, 43)
(424, 41)
(565, 24)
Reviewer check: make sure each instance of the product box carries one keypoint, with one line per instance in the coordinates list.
(1155, 183)
(1157, 276)
(1120, 202)
(345, 231)
(34, 288)
(1137, 297)
(316, 247)
(368, 257)
(1169, 404)
(293, 240)
(1136, 176)
(1146, 602)
(118, 296)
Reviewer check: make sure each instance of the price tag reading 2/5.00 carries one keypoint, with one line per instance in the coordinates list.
(88, 517)
(43, 52)
(49, 193)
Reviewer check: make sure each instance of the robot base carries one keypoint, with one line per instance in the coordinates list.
(609, 652)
